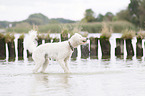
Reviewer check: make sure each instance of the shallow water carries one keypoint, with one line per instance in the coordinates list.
(88, 77)
(91, 77)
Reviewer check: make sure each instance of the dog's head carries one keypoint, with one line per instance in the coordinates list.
(77, 39)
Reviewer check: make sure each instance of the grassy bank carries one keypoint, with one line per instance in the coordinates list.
(117, 27)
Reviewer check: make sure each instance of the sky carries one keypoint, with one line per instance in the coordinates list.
(17, 10)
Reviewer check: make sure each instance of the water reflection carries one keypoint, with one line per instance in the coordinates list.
(50, 83)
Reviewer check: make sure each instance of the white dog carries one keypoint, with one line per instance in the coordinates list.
(60, 51)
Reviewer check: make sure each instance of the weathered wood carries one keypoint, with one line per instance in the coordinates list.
(139, 49)
(55, 40)
(48, 40)
(29, 54)
(85, 51)
(2, 48)
(93, 47)
(119, 50)
(39, 41)
(129, 47)
(105, 47)
(20, 48)
(11, 48)
(75, 53)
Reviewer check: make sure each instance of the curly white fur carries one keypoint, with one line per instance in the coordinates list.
(60, 51)
(30, 42)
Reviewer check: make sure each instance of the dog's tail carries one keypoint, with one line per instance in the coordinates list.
(30, 41)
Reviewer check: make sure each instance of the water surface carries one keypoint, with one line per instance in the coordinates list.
(90, 77)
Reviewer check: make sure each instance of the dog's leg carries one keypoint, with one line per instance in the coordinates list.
(44, 66)
(66, 63)
(38, 64)
(62, 64)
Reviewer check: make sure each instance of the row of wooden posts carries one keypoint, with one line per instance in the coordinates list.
(85, 52)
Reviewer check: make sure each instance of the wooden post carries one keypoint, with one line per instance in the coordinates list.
(11, 48)
(39, 41)
(20, 48)
(139, 49)
(47, 40)
(75, 53)
(119, 50)
(29, 54)
(40, 38)
(55, 40)
(9, 39)
(93, 47)
(106, 48)
(85, 51)
(129, 48)
(2, 48)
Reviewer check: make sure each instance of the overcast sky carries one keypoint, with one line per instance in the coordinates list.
(15, 10)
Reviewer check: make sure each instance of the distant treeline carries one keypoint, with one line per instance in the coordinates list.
(35, 19)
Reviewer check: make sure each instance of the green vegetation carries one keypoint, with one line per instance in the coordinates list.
(47, 36)
(40, 36)
(9, 37)
(141, 34)
(135, 13)
(55, 39)
(65, 32)
(52, 28)
(89, 16)
(76, 28)
(128, 34)
(117, 27)
(1, 36)
(20, 28)
(60, 20)
(22, 36)
(106, 32)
